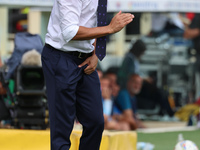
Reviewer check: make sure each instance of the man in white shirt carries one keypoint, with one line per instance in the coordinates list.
(69, 64)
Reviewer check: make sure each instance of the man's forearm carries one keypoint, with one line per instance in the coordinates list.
(191, 33)
(118, 22)
(91, 33)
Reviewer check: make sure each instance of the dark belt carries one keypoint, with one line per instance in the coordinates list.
(74, 53)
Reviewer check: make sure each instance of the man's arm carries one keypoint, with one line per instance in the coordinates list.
(193, 30)
(119, 21)
(128, 117)
(191, 33)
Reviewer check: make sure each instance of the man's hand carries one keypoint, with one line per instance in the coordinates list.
(91, 62)
(119, 21)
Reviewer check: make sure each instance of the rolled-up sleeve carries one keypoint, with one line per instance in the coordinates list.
(69, 16)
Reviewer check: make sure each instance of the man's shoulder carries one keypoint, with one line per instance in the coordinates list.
(129, 57)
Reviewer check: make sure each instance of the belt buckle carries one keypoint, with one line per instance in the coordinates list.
(79, 55)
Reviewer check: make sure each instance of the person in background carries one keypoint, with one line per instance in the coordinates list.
(192, 31)
(130, 63)
(100, 73)
(150, 93)
(110, 123)
(166, 23)
(1, 64)
(111, 74)
(127, 102)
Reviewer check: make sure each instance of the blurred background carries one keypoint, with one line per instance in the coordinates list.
(170, 60)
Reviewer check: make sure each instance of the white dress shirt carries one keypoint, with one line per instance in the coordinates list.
(64, 22)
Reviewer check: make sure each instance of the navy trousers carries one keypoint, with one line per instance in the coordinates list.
(71, 93)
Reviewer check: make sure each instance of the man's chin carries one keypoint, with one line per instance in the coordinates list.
(136, 92)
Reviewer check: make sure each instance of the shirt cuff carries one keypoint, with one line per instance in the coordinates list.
(70, 32)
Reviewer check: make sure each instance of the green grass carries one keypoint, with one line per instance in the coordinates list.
(167, 140)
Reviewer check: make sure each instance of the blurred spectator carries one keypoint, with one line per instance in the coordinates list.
(150, 95)
(111, 74)
(169, 23)
(110, 122)
(190, 16)
(130, 63)
(127, 103)
(192, 31)
(1, 64)
(100, 73)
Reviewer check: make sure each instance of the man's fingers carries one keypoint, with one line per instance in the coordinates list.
(91, 63)
(89, 70)
(119, 12)
(86, 70)
(127, 15)
(126, 19)
(84, 63)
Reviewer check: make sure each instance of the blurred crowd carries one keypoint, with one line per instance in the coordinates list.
(123, 87)
(125, 90)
